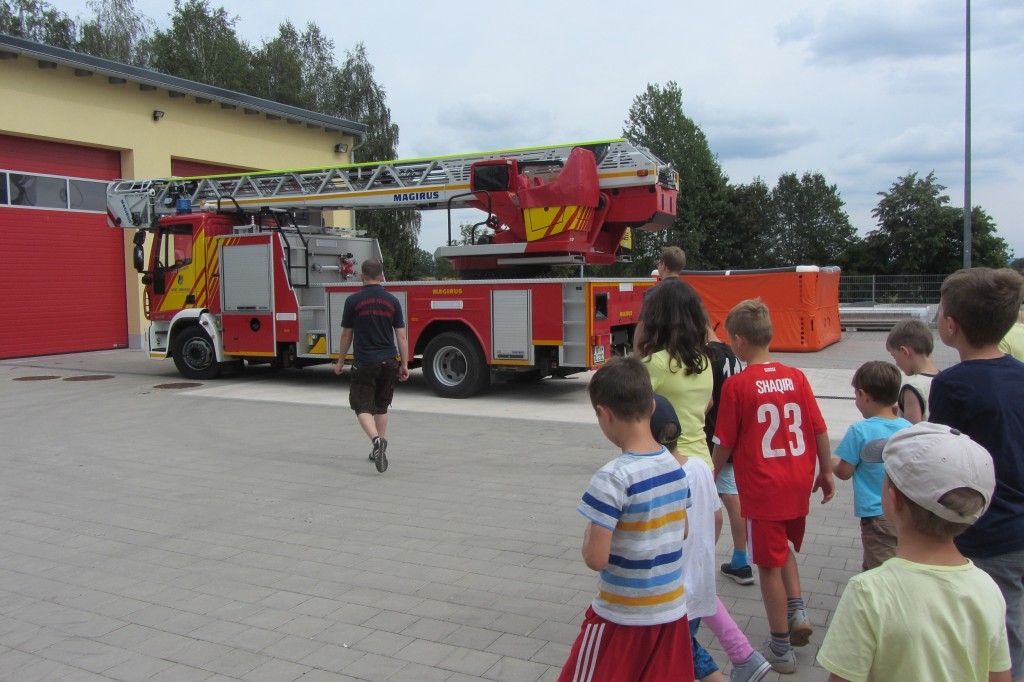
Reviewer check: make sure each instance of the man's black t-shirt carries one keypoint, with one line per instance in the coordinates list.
(373, 314)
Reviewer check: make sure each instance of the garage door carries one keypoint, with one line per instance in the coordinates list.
(62, 270)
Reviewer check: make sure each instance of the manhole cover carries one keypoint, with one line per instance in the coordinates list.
(90, 377)
(43, 377)
(180, 384)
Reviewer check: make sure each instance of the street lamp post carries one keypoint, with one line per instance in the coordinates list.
(967, 146)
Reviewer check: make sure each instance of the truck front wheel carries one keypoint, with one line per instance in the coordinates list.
(194, 354)
(454, 366)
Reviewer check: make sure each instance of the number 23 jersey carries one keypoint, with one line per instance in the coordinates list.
(769, 418)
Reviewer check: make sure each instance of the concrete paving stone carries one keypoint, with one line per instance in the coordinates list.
(389, 621)
(198, 653)
(383, 643)
(374, 668)
(343, 634)
(292, 648)
(331, 657)
(181, 673)
(162, 644)
(55, 671)
(414, 672)
(430, 629)
(276, 670)
(469, 662)
(316, 675)
(305, 626)
(128, 636)
(356, 614)
(236, 663)
(283, 599)
(220, 632)
(425, 652)
(515, 670)
(87, 654)
(553, 654)
(559, 633)
(137, 669)
(471, 637)
(12, 659)
(515, 646)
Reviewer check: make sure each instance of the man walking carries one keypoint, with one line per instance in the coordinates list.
(374, 317)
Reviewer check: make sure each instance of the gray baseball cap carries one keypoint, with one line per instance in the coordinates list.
(927, 460)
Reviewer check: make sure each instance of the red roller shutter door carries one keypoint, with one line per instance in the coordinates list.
(62, 272)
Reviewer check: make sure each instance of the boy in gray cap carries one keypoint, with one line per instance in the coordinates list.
(927, 613)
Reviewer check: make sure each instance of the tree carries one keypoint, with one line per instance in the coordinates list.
(656, 121)
(811, 226)
(202, 45)
(748, 227)
(918, 233)
(38, 21)
(358, 97)
(277, 68)
(116, 31)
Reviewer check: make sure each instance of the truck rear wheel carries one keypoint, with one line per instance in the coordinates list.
(194, 354)
(454, 366)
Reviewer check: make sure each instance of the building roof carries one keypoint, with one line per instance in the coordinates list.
(147, 79)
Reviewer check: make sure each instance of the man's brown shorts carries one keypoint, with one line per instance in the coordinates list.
(373, 387)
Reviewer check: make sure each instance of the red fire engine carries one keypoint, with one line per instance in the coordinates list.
(232, 278)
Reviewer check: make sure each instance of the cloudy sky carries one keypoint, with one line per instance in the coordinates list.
(863, 91)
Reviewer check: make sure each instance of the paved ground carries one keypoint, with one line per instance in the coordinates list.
(234, 530)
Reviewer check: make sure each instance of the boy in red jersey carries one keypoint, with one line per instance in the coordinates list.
(769, 422)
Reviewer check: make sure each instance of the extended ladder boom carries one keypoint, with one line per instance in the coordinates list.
(419, 184)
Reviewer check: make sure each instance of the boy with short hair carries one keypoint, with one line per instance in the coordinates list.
(876, 385)
(928, 613)
(636, 627)
(910, 343)
(769, 422)
(983, 396)
(704, 519)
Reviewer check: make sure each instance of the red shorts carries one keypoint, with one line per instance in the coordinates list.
(609, 652)
(770, 540)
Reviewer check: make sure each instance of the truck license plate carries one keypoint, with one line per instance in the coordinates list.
(598, 355)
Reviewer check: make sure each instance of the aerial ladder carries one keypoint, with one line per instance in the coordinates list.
(562, 204)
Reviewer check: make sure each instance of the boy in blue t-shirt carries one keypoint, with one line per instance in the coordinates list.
(876, 385)
(983, 396)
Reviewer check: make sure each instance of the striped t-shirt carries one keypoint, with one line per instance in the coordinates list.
(642, 499)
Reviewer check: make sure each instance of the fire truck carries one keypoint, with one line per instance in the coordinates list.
(233, 278)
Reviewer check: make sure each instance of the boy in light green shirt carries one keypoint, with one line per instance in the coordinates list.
(927, 613)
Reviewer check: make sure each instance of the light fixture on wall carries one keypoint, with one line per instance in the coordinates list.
(157, 114)
(341, 148)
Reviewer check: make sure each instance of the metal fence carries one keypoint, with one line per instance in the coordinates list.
(875, 289)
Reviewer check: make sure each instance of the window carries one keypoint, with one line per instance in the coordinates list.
(38, 190)
(87, 195)
(53, 192)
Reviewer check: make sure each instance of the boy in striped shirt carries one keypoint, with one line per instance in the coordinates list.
(636, 627)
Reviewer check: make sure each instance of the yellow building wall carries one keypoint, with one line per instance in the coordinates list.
(55, 104)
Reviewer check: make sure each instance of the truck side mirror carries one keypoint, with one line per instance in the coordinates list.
(138, 253)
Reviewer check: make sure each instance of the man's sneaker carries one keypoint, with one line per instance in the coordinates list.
(744, 575)
(379, 454)
(753, 669)
(785, 664)
(800, 629)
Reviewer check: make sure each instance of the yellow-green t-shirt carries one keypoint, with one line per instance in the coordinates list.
(909, 621)
(1013, 342)
(689, 395)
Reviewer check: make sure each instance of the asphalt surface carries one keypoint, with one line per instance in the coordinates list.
(153, 528)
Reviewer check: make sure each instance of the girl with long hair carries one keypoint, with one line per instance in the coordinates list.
(675, 352)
